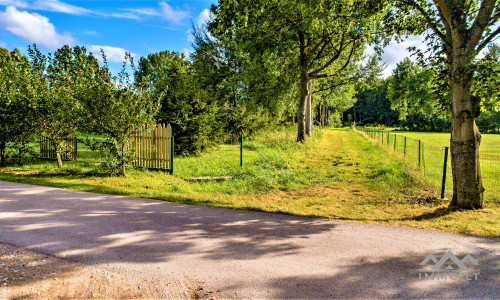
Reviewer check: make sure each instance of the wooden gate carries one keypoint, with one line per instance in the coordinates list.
(153, 148)
(48, 149)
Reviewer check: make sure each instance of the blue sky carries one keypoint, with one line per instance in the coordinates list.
(138, 27)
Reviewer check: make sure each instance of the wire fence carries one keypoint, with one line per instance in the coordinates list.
(430, 160)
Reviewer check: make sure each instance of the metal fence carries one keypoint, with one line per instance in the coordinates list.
(431, 161)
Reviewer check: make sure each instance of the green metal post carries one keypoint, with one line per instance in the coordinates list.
(388, 137)
(405, 147)
(241, 151)
(443, 184)
(382, 138)
(419, 155)
(173, 155)
(395, 138)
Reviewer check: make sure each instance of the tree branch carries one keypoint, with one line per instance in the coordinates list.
(339, 70)
(336, 85)
(424, 14)
(488, 40)
(334, 58)
(481, 22)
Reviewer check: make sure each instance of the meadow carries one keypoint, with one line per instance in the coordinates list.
(338, 174)
(432, 160)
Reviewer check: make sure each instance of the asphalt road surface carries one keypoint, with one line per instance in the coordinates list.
(247, 254)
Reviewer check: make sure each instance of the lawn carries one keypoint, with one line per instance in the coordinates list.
(432, 160)
(338, 174)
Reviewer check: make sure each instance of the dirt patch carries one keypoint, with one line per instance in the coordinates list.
(26, 274)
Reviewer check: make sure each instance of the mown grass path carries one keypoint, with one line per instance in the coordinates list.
(342, 176)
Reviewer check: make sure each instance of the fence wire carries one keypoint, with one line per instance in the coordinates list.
(430, 160)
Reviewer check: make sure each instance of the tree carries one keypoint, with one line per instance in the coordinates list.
(411, 90)
(184, 104)
(120, 109)
(17, 103)
(315, 39)
(62, 82)
(459, 31)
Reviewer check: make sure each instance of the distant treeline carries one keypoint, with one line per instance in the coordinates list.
(412, 98)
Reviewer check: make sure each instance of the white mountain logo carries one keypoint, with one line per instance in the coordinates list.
(449, 256)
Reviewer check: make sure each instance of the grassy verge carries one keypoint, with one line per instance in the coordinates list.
(337, 175)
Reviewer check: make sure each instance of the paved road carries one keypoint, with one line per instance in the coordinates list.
(241, 253)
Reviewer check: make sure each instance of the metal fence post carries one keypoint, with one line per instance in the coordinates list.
(241, 151)
(395, 139)
(419, 153)
(443, 184)
(388, 138)
(405, 147)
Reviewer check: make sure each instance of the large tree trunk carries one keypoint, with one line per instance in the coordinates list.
(465, 138)
(309, 114)
(301, 115)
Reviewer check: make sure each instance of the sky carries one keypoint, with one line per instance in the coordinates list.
(137, 27)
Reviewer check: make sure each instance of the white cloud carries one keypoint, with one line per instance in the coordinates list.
(20, 4)
(113, 54)
(144, 11)
(396, 52)
(34, 28)
(187, 52)
(172, 15)
(125, 15)
(204, 17)
(90, 32)
(58, 6)
(62, 7)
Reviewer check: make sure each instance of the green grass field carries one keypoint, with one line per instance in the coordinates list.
(432, 160)
(338, 174)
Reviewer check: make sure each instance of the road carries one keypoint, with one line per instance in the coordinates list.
(245, 254)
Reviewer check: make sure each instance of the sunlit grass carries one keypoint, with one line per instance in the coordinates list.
(338, 174)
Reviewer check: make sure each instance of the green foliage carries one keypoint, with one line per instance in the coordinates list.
(489, 121)
(410, 90)
(17, 105)
(373, 107)
(190, 110)
(290, 43)
(119, 109)
(486, 84)
(61, 87)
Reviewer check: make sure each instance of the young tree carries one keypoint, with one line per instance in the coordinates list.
(119, 110)
(17, 103)
(459, 31)
(317, 39)
(62, 82)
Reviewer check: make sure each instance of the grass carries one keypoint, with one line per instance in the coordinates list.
(433, 159)
(339, 174)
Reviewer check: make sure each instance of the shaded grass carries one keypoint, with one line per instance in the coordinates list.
(337, 175)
